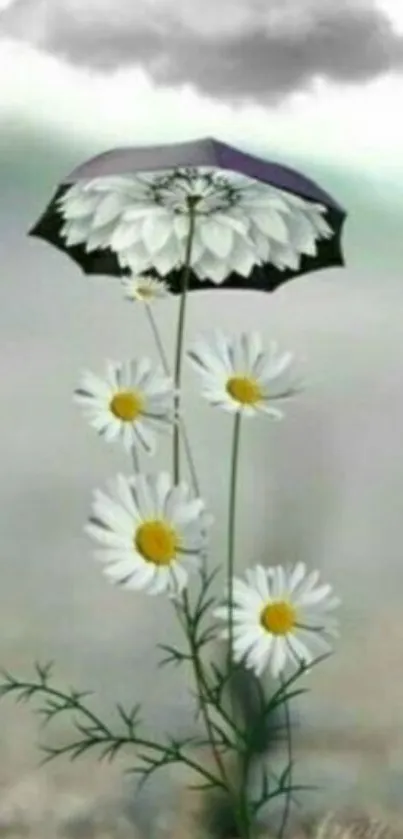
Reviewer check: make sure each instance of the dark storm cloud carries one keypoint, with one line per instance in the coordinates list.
(235, 50)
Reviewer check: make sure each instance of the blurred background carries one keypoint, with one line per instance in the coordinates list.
(325, 486)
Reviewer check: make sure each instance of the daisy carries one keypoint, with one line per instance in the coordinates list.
(152, 533)
(145, 288)
(238, 375)
(279, 617)
(240, 222)
(132, 401)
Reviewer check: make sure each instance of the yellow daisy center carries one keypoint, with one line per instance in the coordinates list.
(244, 389)
(145, 292)
(157, 541)
(127, 405)
(278, 618)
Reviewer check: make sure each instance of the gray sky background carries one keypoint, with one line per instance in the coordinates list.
(326, 486)
(246, 48)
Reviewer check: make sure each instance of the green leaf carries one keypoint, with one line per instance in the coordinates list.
(174, 655)
(285, 775)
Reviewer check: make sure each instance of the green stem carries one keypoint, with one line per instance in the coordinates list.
(105, 731)
(165, 365)
(181, 334)
(200, 682)
(197, 666)
(241, 810)
(231, 535)
(287, 804)
(244, 825)
(244, 795)
(187, 623)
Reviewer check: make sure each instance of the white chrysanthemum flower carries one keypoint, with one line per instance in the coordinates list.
(238, 375)
(240, 222)
(152, 532)
(280, 617)
(134, 400)
(145, 288)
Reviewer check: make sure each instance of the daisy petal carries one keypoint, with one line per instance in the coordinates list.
(143, 544)
(271, 628)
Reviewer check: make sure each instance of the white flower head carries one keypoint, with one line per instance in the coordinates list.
(280, 617)
(238, 375)
(152, 533)
(145, 288)
(133, 401)
(240, 222)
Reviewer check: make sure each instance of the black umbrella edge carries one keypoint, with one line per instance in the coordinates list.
(265, 278)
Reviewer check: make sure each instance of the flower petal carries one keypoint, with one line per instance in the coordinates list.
(126, 235)
(156, 231)
(109, 208)
(272, 224)
(217, 237)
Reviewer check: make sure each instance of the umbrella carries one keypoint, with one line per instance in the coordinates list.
(234, 220)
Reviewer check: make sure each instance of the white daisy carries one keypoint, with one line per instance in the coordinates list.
(129, 404)
(240, 222)
(152, 532)
(280, 617)
(238, 375)
(145, 288)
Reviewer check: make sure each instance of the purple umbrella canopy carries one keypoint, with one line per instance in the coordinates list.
(234, 220)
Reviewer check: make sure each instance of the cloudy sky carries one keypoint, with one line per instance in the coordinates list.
(317, 85)
(281, 74)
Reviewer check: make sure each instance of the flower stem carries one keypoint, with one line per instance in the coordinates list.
(197, 665)
(241, 809)
(231, 534)
(187, 626)
(165, 365)
(287, 804)
(181, 334)
(239, 799)
(200, 682)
